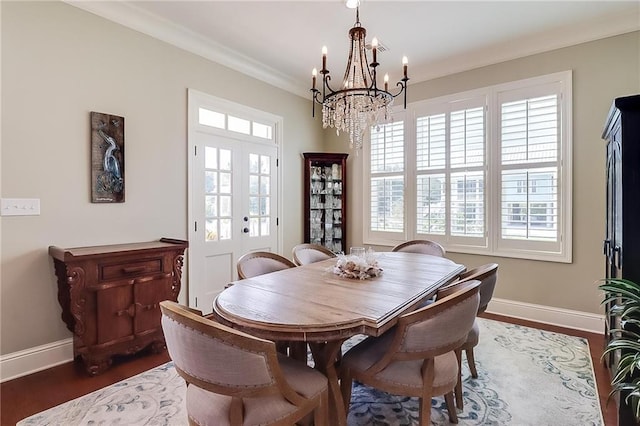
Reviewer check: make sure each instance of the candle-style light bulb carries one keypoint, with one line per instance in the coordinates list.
(374, 48)
(324, 58)
(405, 61)
(314, 73)
(386, 82)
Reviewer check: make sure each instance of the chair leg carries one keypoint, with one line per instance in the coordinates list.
(451, 407)
(425, 411)
(458, 389)
(472, 363)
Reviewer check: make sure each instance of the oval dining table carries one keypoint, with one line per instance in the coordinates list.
(312, 304)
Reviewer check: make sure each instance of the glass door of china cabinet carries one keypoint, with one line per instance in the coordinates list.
(325, 206)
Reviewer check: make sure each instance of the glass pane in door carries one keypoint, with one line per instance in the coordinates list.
(259, 194)
(217, 196)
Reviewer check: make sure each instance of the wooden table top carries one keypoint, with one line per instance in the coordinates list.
(311, 303)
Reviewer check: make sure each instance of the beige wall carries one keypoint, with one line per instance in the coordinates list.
(58, 64)
(602, 70)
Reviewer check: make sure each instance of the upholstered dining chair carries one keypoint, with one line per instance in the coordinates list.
(488, 276)
(236, 379)
(421, 246)
(257, 263)
(417, 357)
(303, 254)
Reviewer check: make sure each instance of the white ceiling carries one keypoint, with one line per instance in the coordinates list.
(280, 41)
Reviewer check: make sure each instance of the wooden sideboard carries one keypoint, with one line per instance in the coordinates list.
(110, 296)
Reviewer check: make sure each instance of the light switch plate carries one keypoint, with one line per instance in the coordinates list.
(20, 207)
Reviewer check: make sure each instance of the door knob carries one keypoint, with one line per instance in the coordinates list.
(245, 230)
(246, 219)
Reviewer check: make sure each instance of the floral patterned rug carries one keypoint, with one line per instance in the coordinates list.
(526, 377)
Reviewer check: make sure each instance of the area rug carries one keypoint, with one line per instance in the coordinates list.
(526, 377)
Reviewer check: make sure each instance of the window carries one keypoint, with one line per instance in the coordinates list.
(485, 172)
(232, 123)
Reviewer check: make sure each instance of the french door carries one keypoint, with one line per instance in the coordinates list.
(233, 204)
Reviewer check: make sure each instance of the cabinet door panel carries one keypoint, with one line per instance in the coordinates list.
(148, 294)
(115, 311)
(617, 231)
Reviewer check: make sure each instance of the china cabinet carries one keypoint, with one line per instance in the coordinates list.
(325, 206)
(622, 230)
(110, 296)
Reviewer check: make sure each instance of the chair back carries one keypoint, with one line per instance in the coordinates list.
(488, 276)
(421, 246)
(303, 254)
(434, 329)
(444, 325)
(261, 262)
(218, 358)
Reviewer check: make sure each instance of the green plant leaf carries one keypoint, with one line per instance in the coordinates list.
(622, 298)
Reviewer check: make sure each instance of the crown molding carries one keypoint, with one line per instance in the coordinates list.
(131, 16)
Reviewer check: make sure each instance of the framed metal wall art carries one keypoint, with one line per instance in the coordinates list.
(107, 158)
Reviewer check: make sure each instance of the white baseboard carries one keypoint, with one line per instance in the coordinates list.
(29, 361)
(577, 320)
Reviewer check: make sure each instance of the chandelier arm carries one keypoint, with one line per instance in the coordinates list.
(403, 89)
(314, 99)
(325, 85)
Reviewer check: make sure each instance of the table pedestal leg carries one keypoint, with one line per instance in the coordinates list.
(324, 356)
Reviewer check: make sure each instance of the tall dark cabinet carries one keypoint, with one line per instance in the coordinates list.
(325, 200)
(622, 235)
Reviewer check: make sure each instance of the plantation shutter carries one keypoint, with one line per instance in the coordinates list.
(387, 178)
(530, 143)
(451, 172)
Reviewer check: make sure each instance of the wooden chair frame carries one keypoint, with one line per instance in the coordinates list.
(265, 348)
(261, 254)
(395, 353)
(483, 274)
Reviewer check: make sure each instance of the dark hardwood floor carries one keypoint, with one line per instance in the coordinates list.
(31, 394)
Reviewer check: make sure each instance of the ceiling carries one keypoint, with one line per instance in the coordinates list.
(280, 42)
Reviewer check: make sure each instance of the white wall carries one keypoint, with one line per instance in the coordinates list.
(58, 64)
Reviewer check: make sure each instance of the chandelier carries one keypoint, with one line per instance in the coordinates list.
(359, 104)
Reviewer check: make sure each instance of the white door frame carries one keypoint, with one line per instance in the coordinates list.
(196, 99)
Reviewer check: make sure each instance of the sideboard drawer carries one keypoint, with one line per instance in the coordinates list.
(130, 269)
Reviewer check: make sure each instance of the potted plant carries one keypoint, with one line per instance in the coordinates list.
(622, 296)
